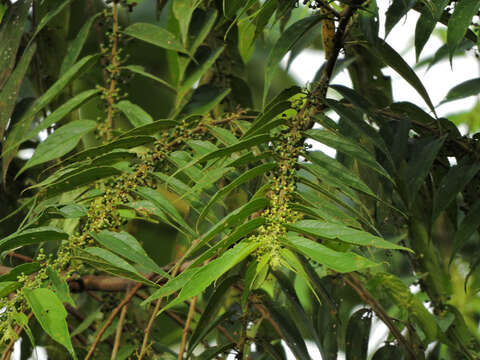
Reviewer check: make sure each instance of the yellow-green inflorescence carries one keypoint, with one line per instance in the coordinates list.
(288, 147)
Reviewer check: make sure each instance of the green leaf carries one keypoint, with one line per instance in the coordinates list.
(203, 100)
(343, 233)
(389, 352)
(149, 129)
(76, 45)
(164, 205)
(155, 35)
(140, 70)
(49, 16)
(61, 142)
(32, 236)
(23, 125)
(207, 319)
(396, 62)
(270, 113)
(122, 143)
(463, 90)
(419, 167)
(51, 315)
(341, 262)
(60, 286)
(85, 324)
(127, 246)
(73, 211)
(9, 93)
(404, 299)
(183, 10)
(451, 184)
(426, 23)
(25, 269)
(11, 31)
(459, 22)
(200, 26)
(80, 179)
(349, 148)
(397, 10)
(109, 262)
(212, 271)
(198, 72)
(286, 41)
(7, 287)
(135, 114)
(246, 176)
(325, 165)
(173, 285)
(358, 334)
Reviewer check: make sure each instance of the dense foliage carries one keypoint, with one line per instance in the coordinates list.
(172, 207)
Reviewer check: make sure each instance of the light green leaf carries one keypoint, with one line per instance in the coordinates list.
(342, 262)
(61, 142)
(286, 41)
(60, 286)
(459, 22)
(26, 269)
(183, 10)
(135, 114)
(164, 205)
(51, 315)
(155, 35)
(127, 246)
(343, 233)
(212, 271)
(76, 45)
(32, 236)
(7, 287)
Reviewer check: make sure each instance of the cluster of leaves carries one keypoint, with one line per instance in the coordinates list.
(216, 227)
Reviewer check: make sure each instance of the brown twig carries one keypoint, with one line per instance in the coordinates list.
(357, 286)
(118, 333)
(8, 351)
(149, 328)
(112, 316)
(183, 344)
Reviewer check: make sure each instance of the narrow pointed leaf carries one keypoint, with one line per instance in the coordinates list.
(397, 10)
(61, 142)
(459, 22)
(155, 35)
(463, 90)
(427, 22)
(137, 69)
(32, 236)
(342, 262)
(358, 334)
(183, 10)
(134, 113)
(343, 233)
(467, 227)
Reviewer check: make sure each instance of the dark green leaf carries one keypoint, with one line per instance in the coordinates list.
(203, 100)
(53, 11)
(396, 62)
(426, 23)
(11, 31)
(397, 10)
(467, 227)
(388, 352)
(9, 92)
(459, 22)
(286, 41)
(342, 262)
(76, 45)
(32, 236)
(463, 90)
(51, 315)
(149, 129)
(137, 69)
(358, 334)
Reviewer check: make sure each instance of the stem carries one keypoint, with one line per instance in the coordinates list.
(8, 351)
(149, 328)
(191, 311)
(118, 334)
(109, 321)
